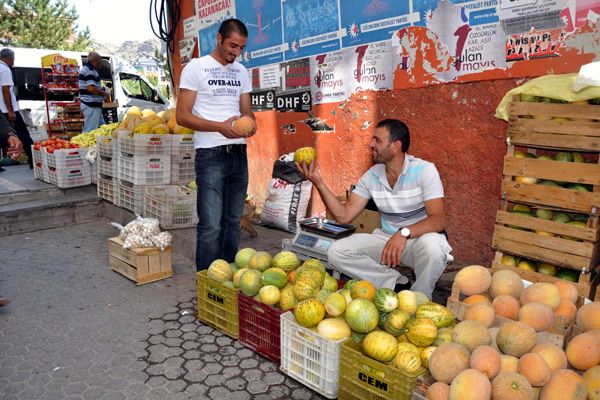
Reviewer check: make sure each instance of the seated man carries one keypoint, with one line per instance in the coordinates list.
(409, 195)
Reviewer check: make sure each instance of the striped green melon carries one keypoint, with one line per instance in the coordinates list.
(380, 346)
(313, 273)
(330, 283)
(243, 256)
(382, 318)
(396, 321)
(269, 295)
(440, 315)
(309, 313)
(350, 284)
(362, 315)
(274, 276)
(421, 332)
(313, 262)
(286, 260)
(386, 300)
(261, 261)
(220, 271)
(444, 336)
(305, 288)
(287, 301)
(322, 295)
(250, 282)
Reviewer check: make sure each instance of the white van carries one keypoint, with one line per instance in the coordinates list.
(129, 87)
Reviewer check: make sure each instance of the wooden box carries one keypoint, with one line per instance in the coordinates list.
(141, 265)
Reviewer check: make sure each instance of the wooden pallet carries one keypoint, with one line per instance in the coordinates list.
(141, 265)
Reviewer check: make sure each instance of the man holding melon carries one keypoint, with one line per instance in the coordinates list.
(214, 101)
(409, 195)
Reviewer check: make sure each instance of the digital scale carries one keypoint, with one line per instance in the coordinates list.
(315, 236)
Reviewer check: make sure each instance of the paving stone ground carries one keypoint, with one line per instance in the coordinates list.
(75, 330)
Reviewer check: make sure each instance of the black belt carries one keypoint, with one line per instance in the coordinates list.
(229, 148)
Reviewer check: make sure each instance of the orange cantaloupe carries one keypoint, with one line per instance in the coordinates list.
(447, 361)
(554, 355)
(583, 351)
(470, 385)
(471, 334)
(511, 386)
(516, 338)
(481, 312)
(437, 391)
(476, 298)
(486, 360)
(567, 291)
(588, 316)
(566, 312)
(507, 306)
(506, 281)
(565, 384)
(540, 316)
(542, 292)
(473, 279)
(533, 367)
(592, 379)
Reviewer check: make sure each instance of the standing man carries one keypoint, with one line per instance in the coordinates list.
(409, 195)
(9, 105)
(91, 92)
(214, 92)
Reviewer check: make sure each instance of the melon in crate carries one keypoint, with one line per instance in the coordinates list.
(220, 271)
(261, 261)
(362, 315)
(380, 346)
(243, 256)
(250, 282)
(286, 260)
(309, 313)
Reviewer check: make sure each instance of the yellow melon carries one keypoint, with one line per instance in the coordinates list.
(506, 281)
(537, 315)
(471, 334)
(554, 355)
(567, 291)
(583, 351)
(588, 316)
(542, 292)
(565, 384)
(592, 379)
(473, 279)
(516, 338)
(470, 385)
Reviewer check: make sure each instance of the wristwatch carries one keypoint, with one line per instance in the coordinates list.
(405, 232)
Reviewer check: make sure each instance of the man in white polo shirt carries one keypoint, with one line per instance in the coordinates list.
(409, 195)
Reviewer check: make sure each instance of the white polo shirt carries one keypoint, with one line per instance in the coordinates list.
(404, 204)
(6, 80)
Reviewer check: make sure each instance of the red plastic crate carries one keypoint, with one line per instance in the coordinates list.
(260, 327)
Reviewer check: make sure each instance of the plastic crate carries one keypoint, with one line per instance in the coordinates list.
(173, 206)
(182, 145)
(106, 146)
(183, 169)
(144, 170)
(107, 188)
(130, 197)
(66, 158)
(37, 155)
(363, 378)
(309, 357)
(260, 327)
(217, 305)
(107, 166)
(142, 145)
(39, 171)
(69, 177)
(94, 172)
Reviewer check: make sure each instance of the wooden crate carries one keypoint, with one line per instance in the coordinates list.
(556, 334)
(142, 265)
(586, 285)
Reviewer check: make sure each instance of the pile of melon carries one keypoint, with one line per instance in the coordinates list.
(511, 361)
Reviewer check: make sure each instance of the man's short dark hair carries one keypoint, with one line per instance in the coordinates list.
(232, 25)
(398, 131)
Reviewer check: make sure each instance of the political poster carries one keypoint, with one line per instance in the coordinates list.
(210, 15)
(296, 74)
(310, 27)
(367, 21)
(264, 23)
(519, 16)
(368, 67)
(328, 78)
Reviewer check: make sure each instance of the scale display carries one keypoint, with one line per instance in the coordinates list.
(327, 227)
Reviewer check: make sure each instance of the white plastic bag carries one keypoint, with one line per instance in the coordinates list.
(286, 203)
(589, 75)
(143, 232)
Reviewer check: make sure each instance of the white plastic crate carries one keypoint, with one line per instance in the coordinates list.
(69, 177)
(39, 171)
(183, 170)
(131, 197)
(66, 158)
(107, 188)
(94, 172)
(37, 155)
(107, 166)
(143, 145)
(144, 170)
(106, 146)
(309, 358)
(173, 206)
(182, 145)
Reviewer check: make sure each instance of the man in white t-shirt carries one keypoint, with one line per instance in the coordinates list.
(409, 195)
(9, 104)
(214, 91)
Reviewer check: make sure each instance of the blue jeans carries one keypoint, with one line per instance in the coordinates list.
(222, 180)
(92, 117)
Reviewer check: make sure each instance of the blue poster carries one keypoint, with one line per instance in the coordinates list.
(265, 40)
(367, 21)
(425, 8)
(310, 27)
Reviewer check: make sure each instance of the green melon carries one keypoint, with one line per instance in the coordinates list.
(362, 315)
(335, 304)
(229, 284)
(286, 260)
(305, 288)
(250, 282)
(313, 262)
(274, 276)
(260, 261)
(269, 295)
(243, 256)
(309, 313)
(380, 346)
(234, 267)
(330, 283)
(568, 275)
(311, 272)
(440, 315)
(322, 295)
(386, 300)
(220, 271)
(396, 321)
(350, 284)
(382, 318)
(237, 275)
(287, 301)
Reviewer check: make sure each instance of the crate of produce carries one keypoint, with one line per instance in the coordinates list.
(143, 145)
(174, 206)
(107, 188)
(69, 177)
(39, 171)
(364, 378)
(182, 169)
(106, 165)
(130, 196)
(65, 158)
(141, 265)
(144, 170)
(585, 282)
(309, 358)
(36, 154)
(260, 327)
(106, 146)
(217, 305)
(182, 145)
(554, 126)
